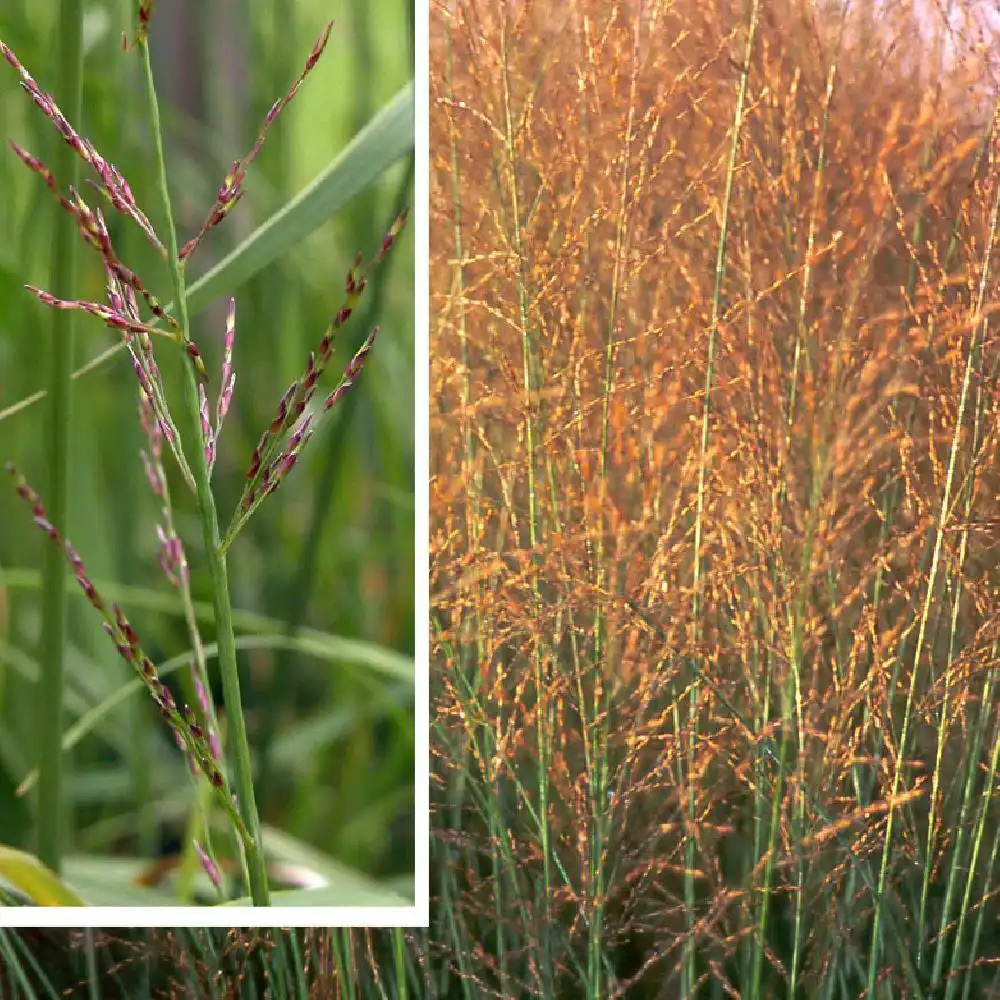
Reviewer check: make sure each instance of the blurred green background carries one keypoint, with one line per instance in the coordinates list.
(333, 549)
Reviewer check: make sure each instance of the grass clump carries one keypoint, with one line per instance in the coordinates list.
(713, 487)
(168, 963)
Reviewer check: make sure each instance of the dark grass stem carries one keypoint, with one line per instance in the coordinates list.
(69, 60)
(253, 856)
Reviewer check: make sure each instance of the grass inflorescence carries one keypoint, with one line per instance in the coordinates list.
(714, 465)
(191, 428)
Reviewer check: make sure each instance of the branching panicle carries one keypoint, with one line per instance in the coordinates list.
(231, 190)
(112, 184)
(288, 433)
(126, 642)
(194, 728)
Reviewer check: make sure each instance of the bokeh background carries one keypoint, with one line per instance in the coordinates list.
(333, 550)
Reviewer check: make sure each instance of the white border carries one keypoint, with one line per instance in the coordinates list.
(101, 917)
(346, 916)
(422, 317)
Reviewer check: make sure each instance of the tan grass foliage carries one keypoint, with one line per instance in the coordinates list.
(713, 534)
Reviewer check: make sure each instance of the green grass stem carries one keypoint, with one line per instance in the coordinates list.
(65, 253)
(242, 769)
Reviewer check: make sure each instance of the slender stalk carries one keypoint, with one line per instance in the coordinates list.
(945, 508)
(69, 59)
(399, 962)
(946, 721)
(987, 797)
(689, 972)
(243, 774)
(473, 649)
(528, 363)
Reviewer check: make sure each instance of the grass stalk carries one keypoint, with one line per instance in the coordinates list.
(965, 855)
(987, 798)
(689, 972)
(253, 856)
(402, 990)
(472, 648)
(979, 327)
(593, 750)
(65, 253)
(946, 721)
(529, 387)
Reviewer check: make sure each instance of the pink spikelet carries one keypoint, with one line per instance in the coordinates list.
(207, 434)
(227, 383)
(282, 442)
(200, 746)
(211, 868)
(115, 320)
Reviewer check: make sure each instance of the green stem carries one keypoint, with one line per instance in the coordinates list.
(399, 958)
(69, 59)
(902, 742)
(689, 976)
(242, 771)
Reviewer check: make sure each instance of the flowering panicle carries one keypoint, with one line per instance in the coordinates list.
(291, 428)
(171, 555)
(126, 641)
(91, 223)
(231, 190)
(112, 184)
(194, 727)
